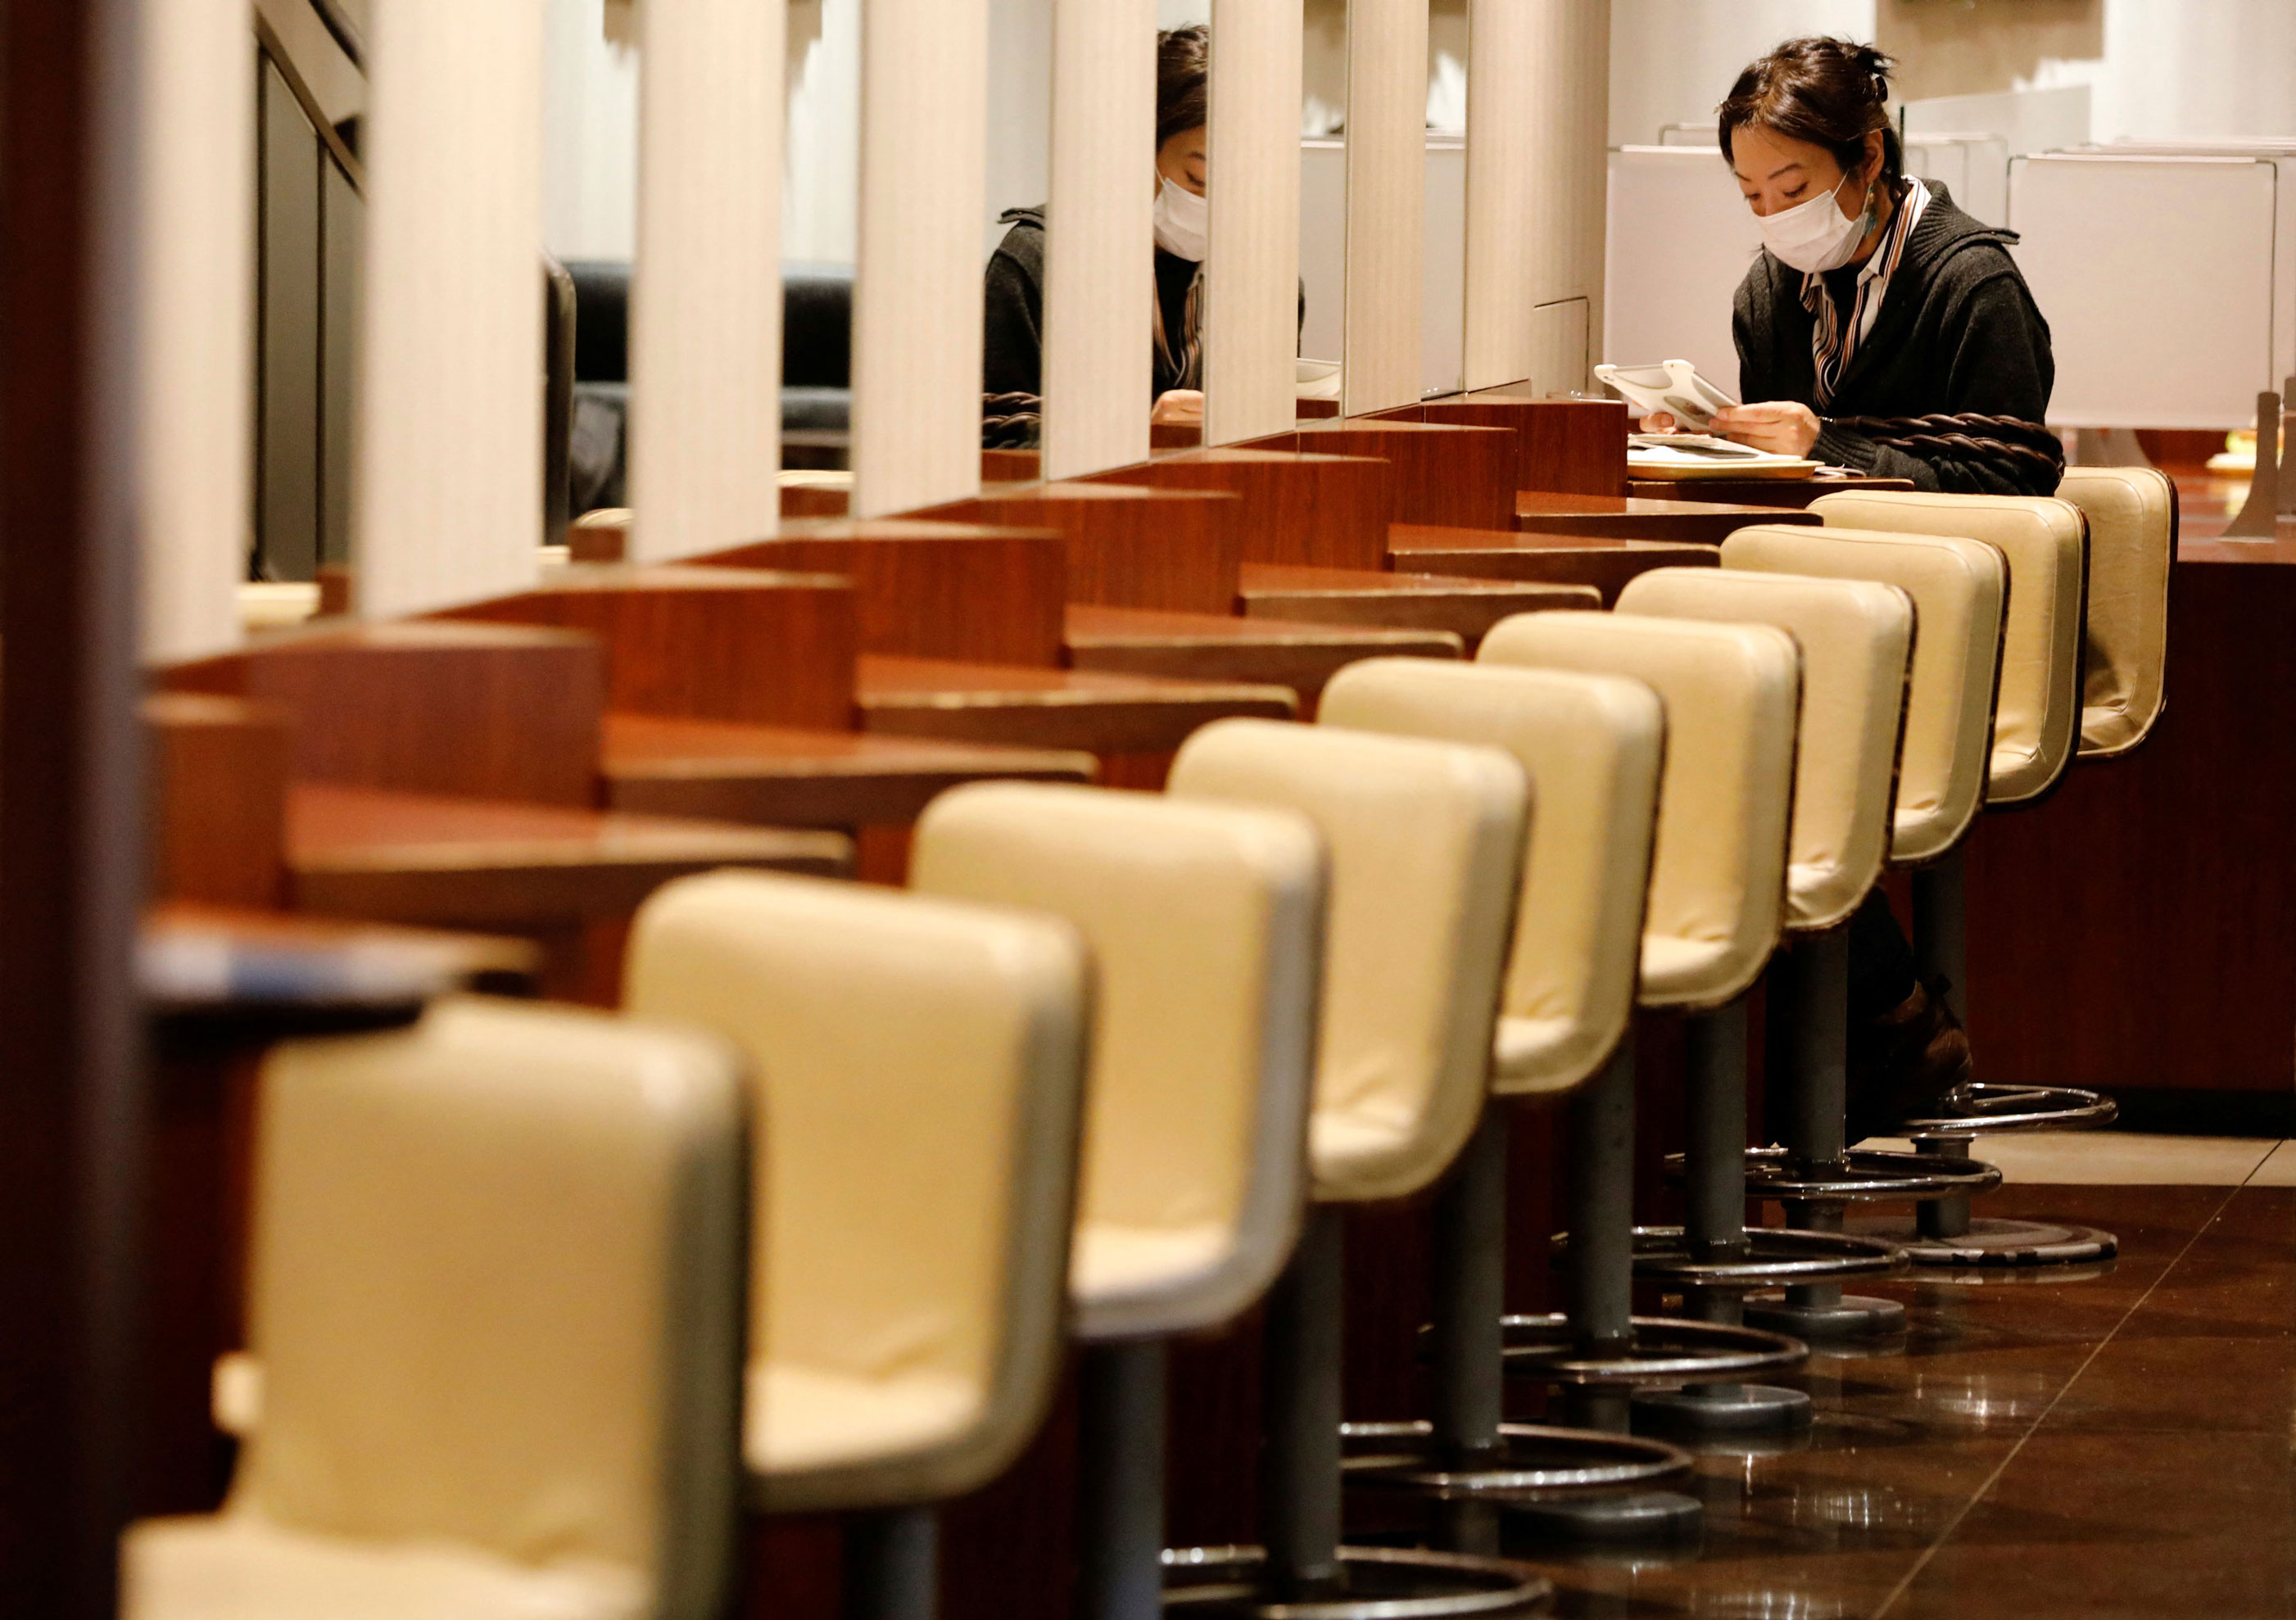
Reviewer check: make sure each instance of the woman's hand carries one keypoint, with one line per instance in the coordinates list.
(1780, 426)
(1183, 407)
(1660, 422)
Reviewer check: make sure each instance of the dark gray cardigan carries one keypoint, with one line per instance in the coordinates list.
(1958, 331)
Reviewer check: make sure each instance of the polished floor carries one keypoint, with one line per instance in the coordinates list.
(2111, 1446)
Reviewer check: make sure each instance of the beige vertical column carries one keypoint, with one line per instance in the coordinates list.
(706, 320)
(449, 460)
(1100, 275)
(1387, 203)
(1252, 318)
(1537, 121)
(197, 62)
(917, 299)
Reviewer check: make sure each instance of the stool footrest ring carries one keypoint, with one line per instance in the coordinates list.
(1381, 1583)
(1667, 1350)
(1976, 1109)
(2002, 1245)
(1862, 1177)
(1775, 1255)
(1534, 1461)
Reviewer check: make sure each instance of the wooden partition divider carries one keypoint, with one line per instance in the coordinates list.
(1578, 445)
(1313, 510)
(1463, 476)
(1127, 547)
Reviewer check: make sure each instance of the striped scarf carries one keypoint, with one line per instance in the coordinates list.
(1832, 343)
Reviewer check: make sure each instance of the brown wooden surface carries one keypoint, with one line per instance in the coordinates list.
(217, 800)
(1264, 651)
(489, 711)
(1444, 474)
(802, 779)
(1327, 511)
(1103, 715)
(1466, 608)
(1566, 560)
(2137, 929)
(815, 501)
(705, 643)
(934, 590)
(1790, 492)
(1129, 547)
(1604, 517)
(1578, 445)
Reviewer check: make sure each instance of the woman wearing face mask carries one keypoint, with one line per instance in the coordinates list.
(1013, 352)
(1875, 302)
(1876, 309)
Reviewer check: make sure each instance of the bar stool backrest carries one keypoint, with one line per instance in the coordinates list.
(1857, 640)
(919, 1067)
(1206, 927)
(1593, 746)
(1725, 798)
(497, 1297)
(2132, 548)
(1425, 841)
(2037, 718)
(1959, 588)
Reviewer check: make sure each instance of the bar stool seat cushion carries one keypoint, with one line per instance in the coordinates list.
(1425, 841)
(2132, 544)
(919, 1067)
(2038, 715)
(1592, 747)
(1958, 588)
(1205, 924)
(495, 1294)
(1857, 640)
(1719, 872)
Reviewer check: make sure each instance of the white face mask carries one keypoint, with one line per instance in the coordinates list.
(1816, 235)
(1183, 219)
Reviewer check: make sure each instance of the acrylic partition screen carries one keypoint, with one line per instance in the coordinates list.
(2169, 325)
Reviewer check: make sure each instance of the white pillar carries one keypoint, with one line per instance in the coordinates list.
(449, 463)
(1538, 114)
(1387, 202)
(1252, 319)
(195, 286)
(706, 320)
(1100, 277)
(917, 299)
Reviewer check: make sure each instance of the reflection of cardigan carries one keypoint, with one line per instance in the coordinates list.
(1013, 349)
(1958, 331)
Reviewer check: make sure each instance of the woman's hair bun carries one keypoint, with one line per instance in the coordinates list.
(1876, 64)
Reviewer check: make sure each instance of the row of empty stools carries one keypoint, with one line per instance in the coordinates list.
(543, 1299)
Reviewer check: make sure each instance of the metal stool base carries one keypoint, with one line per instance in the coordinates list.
(1976, 1109)
(1381, 1583)
(1996, 1243)
(1667, 1350)
(1643, 1519)
(1537, 1462)
(1852, 1317)
(1862, 1177)
(1775, 1255)
(1724, 1409)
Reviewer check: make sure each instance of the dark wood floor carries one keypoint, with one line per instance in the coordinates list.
(2115, 1446)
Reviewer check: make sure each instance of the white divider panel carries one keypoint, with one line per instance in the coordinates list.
(1252, 276)
(449, 463)
(1387, 203)
(916, 302)
(1974, 168)
(1100, 276)
(197, 66)
(1681, 240)
(2156, 275)
(706, 329)
(1324, 251)
(1537, 116)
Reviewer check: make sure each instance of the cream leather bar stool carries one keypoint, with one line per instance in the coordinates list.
(1857, 639)
(1425, 841)
(919, 1067)
(1592, 746)
(2036, 731)
(2132, 552)
(1958, 588)
(496, 1291)
(1206, 927)
(1715, 908)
